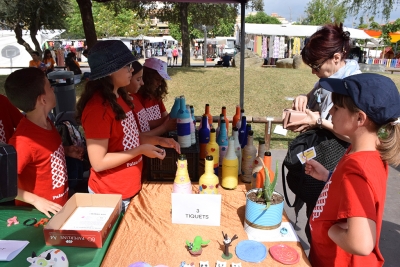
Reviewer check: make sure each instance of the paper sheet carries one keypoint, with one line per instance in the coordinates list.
(279, 130)
(9, 249)
(88, 218)
(272, 235)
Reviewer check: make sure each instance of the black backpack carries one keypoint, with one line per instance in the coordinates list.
(329, 150)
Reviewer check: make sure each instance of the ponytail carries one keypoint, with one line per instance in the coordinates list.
(389, 146)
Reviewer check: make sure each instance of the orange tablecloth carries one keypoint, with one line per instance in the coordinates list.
(147, 234)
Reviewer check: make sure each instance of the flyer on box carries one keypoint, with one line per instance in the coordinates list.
(9, 249)
(196, 209)
(88, 218)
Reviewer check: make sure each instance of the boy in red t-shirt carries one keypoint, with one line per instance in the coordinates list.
(42, 173)
(347, 219)
(9, 119)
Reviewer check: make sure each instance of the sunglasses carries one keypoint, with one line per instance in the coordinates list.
(317, 68)
(129, 67)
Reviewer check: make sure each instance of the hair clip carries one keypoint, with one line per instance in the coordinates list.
(346, 35)
(393, 123)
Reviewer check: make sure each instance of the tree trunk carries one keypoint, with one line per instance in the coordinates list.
(85, 6)
(20, 40)
(183, 13)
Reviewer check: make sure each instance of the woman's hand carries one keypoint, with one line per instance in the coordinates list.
(316, 170)
(170, 143)
(305, 124)
(300, 103)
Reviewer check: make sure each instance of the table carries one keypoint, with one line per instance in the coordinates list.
(77, 256)
(147, 234)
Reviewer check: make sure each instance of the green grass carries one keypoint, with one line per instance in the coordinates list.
(265, 90)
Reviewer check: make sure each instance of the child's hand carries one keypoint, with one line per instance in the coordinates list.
(316, 170)
(170, 143)
(153, 151)
(45, 206)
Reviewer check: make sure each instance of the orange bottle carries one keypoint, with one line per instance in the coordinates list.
(261, 175)
(236, 117)
(207, 112)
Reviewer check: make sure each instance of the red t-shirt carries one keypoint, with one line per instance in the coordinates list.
(98, 121)
(155, 108)
(41, 162)
(357, 189)
(9, 119)
(141, 115)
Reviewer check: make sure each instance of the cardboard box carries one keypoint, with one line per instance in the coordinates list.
(54, 236)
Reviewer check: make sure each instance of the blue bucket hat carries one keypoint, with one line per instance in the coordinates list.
(374, 94)
(109, 56)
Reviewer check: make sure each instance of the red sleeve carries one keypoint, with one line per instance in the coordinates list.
(97, 120)
(162, 107)
(356, 199)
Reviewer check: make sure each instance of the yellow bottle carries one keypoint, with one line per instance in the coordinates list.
(209, 182)
(230, 166)
(212, 149)
(182, 182)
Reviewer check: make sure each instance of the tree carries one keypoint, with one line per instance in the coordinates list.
(321, 12)
(262, 18)
(372, 6)
(388, 28)
(33, 15)
(200, 14)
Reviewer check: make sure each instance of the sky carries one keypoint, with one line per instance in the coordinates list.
(295, 9)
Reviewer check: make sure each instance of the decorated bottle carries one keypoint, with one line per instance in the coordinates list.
(222, 141)
(223, 112)
(204, 136)
(248, 128)
(209, 182)
(242, 132)
(261, 175)
(192, 114)
(221, 117)
(213, 150)
(238, 148)
(182, 182)
(230, 166)
(174, 110)
(207, 112)
(183, 125)
(257, 166)
(249, 153)
(192, 129)
(239, 123)
(236, 117)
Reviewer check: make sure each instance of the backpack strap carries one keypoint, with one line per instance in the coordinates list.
(296, 200)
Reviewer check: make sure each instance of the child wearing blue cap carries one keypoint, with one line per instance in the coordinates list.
(347, 219)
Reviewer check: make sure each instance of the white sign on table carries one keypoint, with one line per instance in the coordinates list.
(9, 249)
(196, 209)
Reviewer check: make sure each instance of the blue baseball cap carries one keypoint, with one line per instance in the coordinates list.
(374, 94)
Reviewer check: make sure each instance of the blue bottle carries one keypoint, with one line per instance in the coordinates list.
(248, 129)
(222, 140)
(242, 131)
(174, 110)
(204, 136)
(183, 125)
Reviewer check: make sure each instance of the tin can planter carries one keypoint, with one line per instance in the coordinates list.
(258, 217)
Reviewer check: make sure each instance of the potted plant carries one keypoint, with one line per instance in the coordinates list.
(264, 206)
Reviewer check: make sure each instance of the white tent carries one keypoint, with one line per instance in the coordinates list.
(295, 30)
(7, 38)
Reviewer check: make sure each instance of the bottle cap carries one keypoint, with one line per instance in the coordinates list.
(262, 141)
(212, 130)
(250, 133)
(235, 129)
(267, 153)
(242, 110)
(182, 157)
(209, 158)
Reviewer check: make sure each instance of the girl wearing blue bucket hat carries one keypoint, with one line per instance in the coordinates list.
(114, 145)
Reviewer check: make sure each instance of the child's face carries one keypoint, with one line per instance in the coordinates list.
(122, 77)
(344, 122)
(157, 80)
(136, 83)
(35, 57)
(49, 95)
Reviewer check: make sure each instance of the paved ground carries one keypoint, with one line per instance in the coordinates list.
(390, 235)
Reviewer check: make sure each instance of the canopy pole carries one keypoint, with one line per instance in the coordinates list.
(242, 51)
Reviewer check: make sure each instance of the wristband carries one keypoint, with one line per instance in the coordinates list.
(329, 176)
